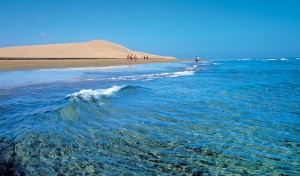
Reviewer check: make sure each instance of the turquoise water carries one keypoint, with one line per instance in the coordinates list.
(212, 118)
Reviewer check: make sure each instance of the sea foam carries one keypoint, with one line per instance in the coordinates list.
(147, 77)
(270, 59)
(283, 59)
(90, 94)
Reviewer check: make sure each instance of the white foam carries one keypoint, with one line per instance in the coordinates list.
(192, 68)
(283, 59)
(243, 59)
(271, 59)
(183, 73)
(147, 77)
(88, 94)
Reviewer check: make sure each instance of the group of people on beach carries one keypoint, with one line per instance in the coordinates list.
(134, 57)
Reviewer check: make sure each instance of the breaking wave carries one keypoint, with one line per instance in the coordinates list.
(96, 94)
(88, 101)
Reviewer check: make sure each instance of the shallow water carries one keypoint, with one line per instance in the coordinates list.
(211, 118)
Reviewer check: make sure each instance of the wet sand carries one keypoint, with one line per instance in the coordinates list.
(30, 64)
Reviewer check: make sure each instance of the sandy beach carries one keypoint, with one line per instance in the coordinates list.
(22, 64)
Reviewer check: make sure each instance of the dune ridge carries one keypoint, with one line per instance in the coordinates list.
(92, 49)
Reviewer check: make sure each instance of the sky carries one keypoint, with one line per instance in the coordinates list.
(180, 28)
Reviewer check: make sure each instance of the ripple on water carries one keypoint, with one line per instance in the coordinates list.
(211, 122)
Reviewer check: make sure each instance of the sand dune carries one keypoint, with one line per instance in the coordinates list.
(91, 49)
(96, 53)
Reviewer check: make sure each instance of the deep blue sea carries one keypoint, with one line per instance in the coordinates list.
(215, 117)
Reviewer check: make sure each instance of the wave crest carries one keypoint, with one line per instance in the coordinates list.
(90, 94)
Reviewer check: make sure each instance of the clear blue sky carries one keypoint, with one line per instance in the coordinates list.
(180, 28)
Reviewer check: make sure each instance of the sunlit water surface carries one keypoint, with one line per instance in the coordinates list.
(212, 118)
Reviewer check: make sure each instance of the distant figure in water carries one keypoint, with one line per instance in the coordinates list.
(197, 59)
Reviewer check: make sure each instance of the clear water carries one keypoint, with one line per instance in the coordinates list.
(212, 118)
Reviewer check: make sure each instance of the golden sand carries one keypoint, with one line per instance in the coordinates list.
(91, 49)
(95, 53)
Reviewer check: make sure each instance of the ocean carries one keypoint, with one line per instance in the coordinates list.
(215, 117)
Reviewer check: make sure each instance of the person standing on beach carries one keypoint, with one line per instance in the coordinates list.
(130, 57)
(135, 58)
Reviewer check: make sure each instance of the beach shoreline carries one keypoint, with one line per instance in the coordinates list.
(14, 64)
